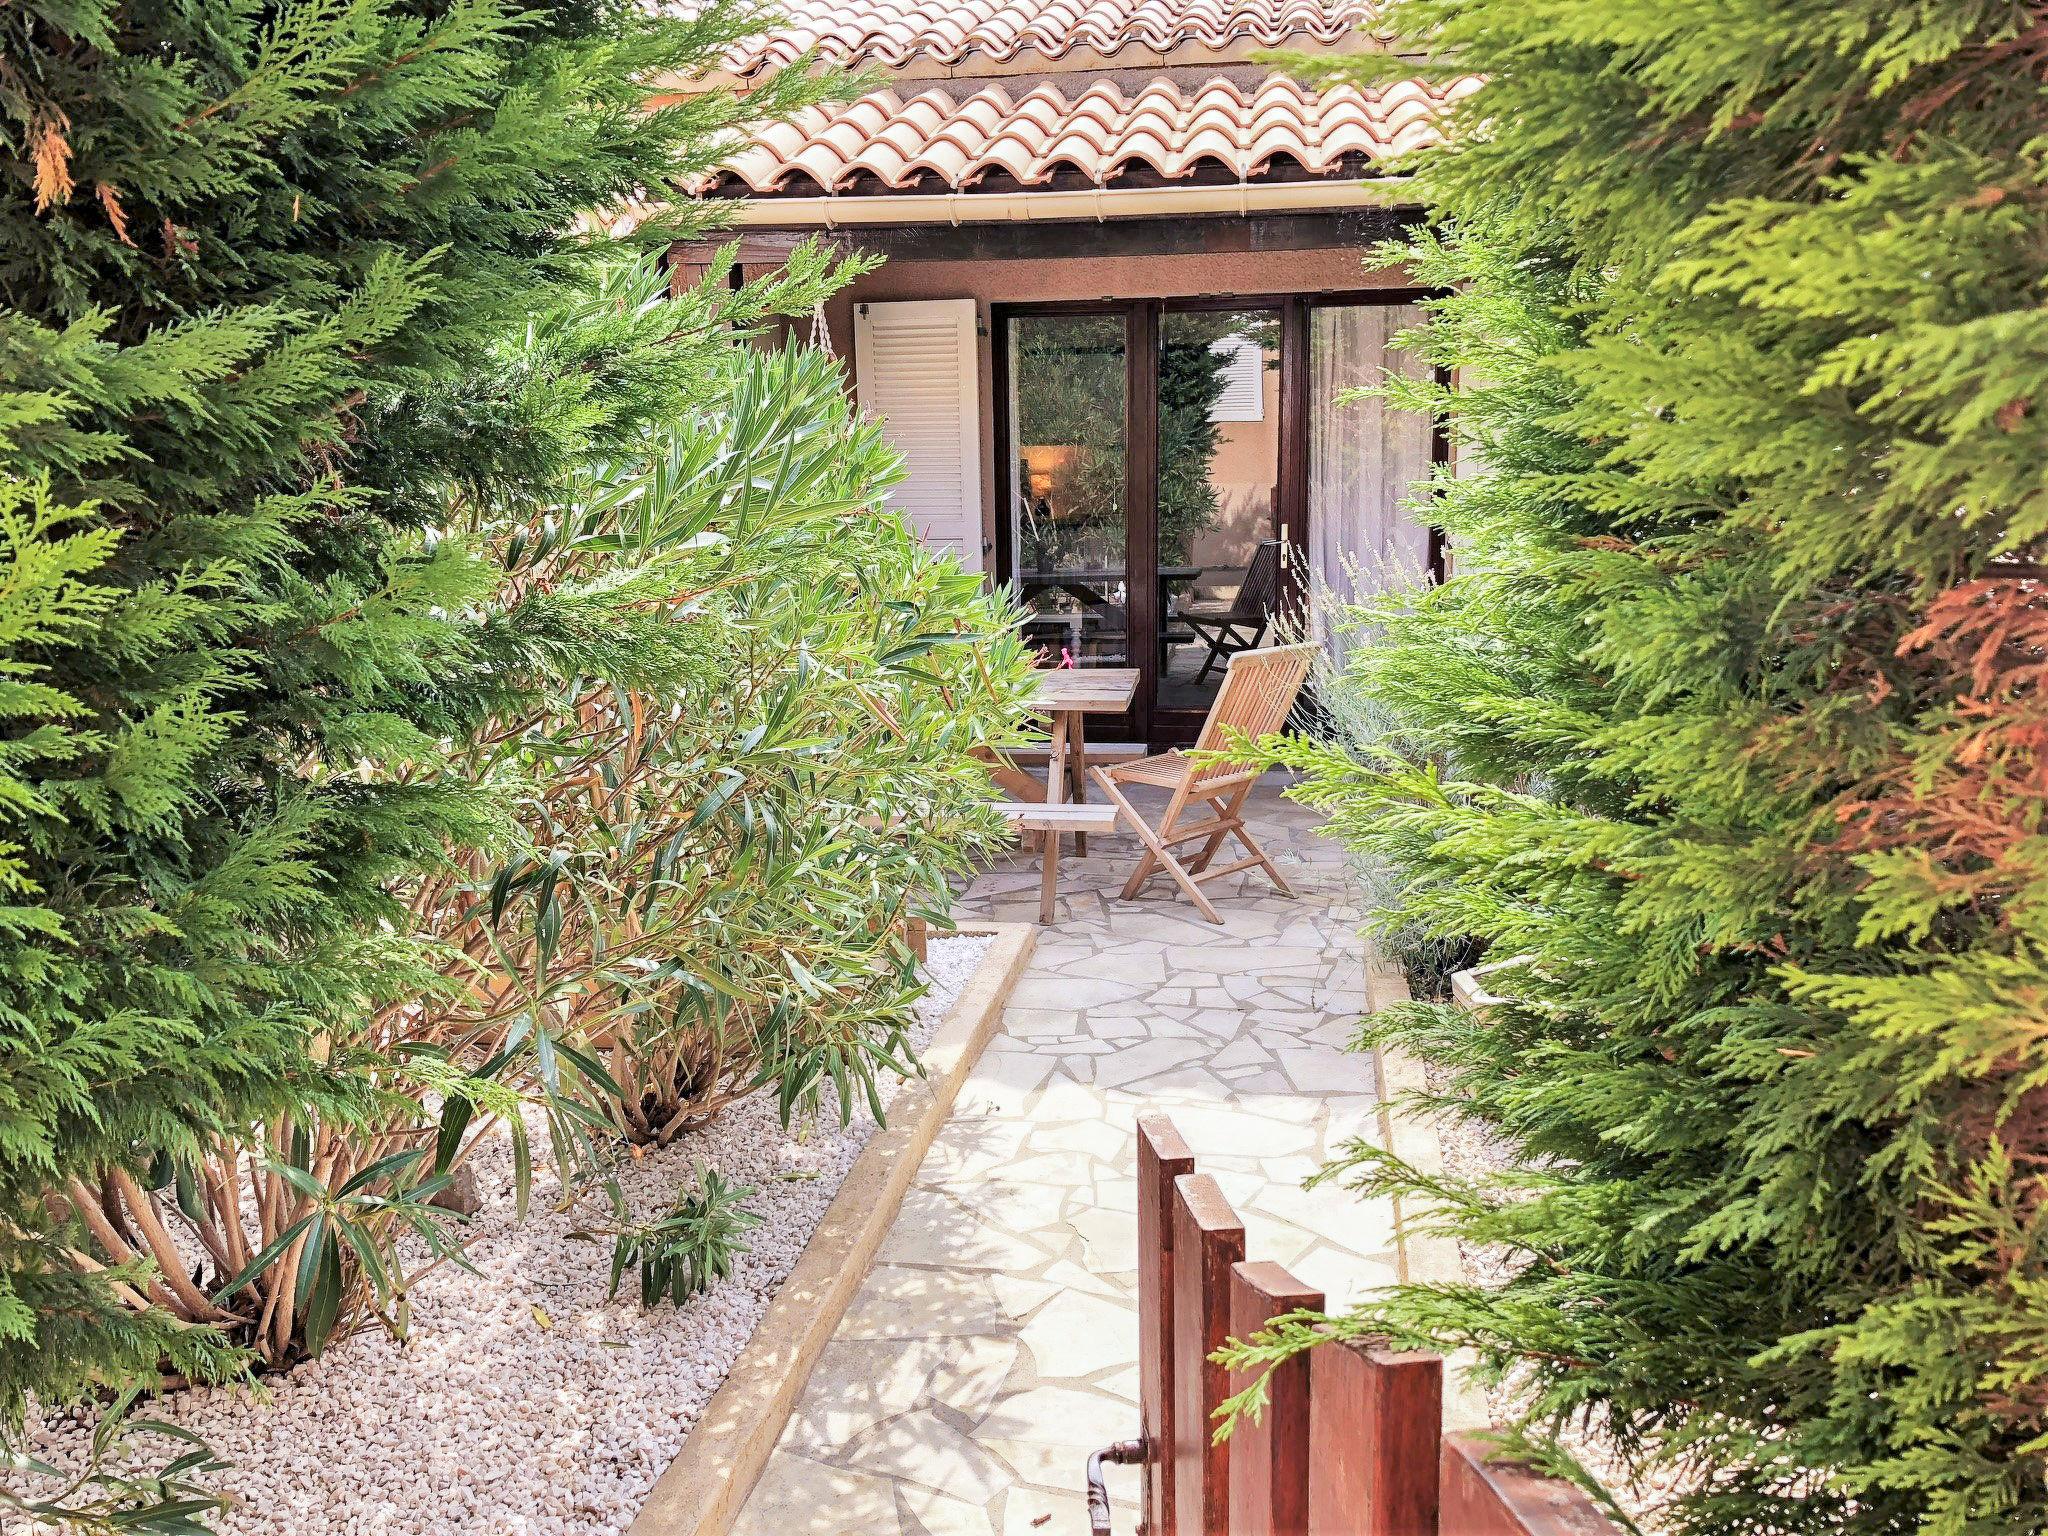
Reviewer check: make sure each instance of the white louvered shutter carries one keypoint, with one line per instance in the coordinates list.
(915, 370)
(1243, 366)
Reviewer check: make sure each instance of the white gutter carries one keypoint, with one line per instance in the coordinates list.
(1097, 203)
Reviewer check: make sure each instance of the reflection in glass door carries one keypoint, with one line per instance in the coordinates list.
(1067, 453)
(1219, 564)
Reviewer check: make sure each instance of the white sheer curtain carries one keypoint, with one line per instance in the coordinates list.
(1363, 459)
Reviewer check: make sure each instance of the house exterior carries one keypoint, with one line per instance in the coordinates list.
(1122, 298)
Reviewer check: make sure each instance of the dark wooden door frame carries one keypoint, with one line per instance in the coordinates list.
(999, 317)
(1141, 510)
(1141, 460)
(1292, 491)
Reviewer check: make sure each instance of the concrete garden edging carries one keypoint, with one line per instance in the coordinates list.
(703, 1490)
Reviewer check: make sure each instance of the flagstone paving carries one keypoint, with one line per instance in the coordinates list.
(994, 1343)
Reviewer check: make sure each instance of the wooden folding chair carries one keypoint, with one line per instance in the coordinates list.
(1258, 693)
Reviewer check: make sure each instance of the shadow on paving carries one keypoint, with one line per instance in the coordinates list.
(994, 1343)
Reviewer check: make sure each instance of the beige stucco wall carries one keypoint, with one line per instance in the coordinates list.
(1246, 474)
(1038, 280)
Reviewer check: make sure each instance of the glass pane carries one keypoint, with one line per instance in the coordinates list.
(1364, 460)
(1219, 472)
(1067, 407)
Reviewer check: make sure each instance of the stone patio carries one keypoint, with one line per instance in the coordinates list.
(994, 1343)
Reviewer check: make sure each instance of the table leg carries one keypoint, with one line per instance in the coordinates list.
(1056, 759)
(1077, 773)
(1049, 865)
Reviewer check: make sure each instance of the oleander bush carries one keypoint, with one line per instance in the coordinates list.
(721, 867)
(440, 672)
(1727, 738)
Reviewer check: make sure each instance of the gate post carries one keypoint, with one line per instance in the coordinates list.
(1485, 1494)
(1376, 1421)
(1162, 1158)
(1269, 1459)
(1207, 1239)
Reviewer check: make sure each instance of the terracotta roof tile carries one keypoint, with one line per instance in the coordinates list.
(908, 141)
(892, 33)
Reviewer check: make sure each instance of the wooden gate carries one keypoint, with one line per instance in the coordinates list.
(1351, 1443)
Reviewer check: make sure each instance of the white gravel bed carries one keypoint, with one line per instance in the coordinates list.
(1472, 1151)
(490, 1422)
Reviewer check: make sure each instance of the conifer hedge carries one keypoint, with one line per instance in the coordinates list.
(1728, 737)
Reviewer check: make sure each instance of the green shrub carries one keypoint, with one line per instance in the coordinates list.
(742, 757)
(301, 394)
(125, 1490)
(688, 1247)
(1729, 729)
(725, 843)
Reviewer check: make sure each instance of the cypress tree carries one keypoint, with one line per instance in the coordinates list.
(256, 263)
(1728, 739)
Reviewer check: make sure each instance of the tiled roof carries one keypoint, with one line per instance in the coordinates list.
(932, 141)
(892, 33)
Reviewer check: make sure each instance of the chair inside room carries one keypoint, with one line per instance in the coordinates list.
(1239, 622)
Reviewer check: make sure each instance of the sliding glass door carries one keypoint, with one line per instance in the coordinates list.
(1173, 476)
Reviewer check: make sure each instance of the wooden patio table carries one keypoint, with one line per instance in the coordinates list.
(1091, 585)
(1069, 695)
